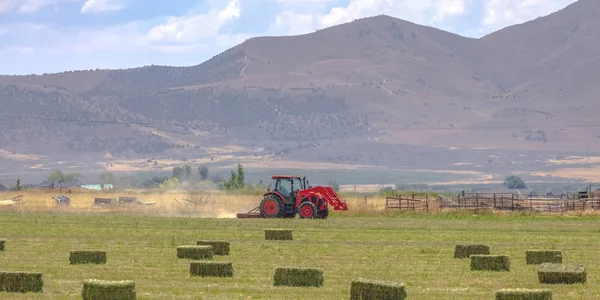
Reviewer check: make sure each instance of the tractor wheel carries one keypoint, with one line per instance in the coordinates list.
(323, 214)
(307, 210)
(271, 207)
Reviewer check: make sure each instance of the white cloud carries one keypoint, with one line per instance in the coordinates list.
(91, 6)
(27, 6)
(418, 11)
(502, 13)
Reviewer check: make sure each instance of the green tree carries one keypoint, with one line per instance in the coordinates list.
(18, 184)
(108, 178)
(236, 181)
(182, 173)
(514, 182)
(60, 177)
(169, 184)
(203, 172)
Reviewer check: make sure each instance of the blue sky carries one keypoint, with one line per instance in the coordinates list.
(46, 36)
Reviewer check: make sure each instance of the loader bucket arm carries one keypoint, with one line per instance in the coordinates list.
(331, 197)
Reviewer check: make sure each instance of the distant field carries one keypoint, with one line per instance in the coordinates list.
(414, 248)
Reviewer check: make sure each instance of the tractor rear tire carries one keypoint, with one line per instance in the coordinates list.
(271, 207)
(308, 210)
(323, 214)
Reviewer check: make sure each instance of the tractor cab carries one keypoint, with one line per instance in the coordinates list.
(287, 187)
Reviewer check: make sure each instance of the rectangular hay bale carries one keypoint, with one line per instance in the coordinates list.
(94, 289)
(490, 263)
(298, 277)
(536, 257)
(464, 251)
(371, 290)
(524, 294)
(219, 247)
(195, 252)
(278, 234)
(2, 242)
(552, 273)
(212, 269)
(21, 282)
(87, 257)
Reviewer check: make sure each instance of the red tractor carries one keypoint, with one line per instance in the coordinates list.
(291, 195)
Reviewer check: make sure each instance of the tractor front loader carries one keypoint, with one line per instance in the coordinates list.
(291, 195)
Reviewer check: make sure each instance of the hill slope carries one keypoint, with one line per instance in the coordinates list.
(376, 83)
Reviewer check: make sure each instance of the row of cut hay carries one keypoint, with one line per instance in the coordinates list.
(87, 257)
(465, 251)
(211, 269)
(219, 247)
(278, 234)
(366, 289)
(490, 263)
(524, 294)
(21, 282)
(195, 252)
(552, 273)
(94, 289)
(298, 277)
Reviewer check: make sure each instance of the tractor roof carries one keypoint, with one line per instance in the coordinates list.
(285, 176)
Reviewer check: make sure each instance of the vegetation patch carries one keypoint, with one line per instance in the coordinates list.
(21, 282)
(490, 263)
(536, 257)
(87, 257)
(94, 289)
(558, 273)
(2, 242)
(212, 269)
(464, 251)
(219, 247)
(278, 234)
(298, 277)
(367, 289)
(524, 294)
(195, 252)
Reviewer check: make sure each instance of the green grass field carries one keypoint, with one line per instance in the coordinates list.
(415, 249)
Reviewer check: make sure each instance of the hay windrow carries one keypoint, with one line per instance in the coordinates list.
(490, 263)
(464, 251)
(552, 273)
(87, 257)
(278, 234)
(21, 282)
(362, 289)
(536, 257)
(298, 277)
(219, 247)
(524, 294)
(212, 269)
(195, 252)
(108, 290)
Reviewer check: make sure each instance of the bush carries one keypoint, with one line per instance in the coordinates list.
(559, 273)
(278, 234)
(21, 282)
(298, 277)
(195, 252)
(490, 262)
(365, 289)
(464, 251)
(524, 294)
(87, 257)
(214, 269)
(2, 245)
(219, 247)
(536, 257)
(108, 290)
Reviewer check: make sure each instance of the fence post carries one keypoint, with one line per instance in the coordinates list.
(494, 200)
(512, 203)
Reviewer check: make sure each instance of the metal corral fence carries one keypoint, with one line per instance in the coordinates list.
(413, 202)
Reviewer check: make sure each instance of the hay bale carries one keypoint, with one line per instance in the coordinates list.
(212, 269)
(87, 257)
(524, 294)
(2, 245)
(490, 262)
(21, 282)
(108, 290)
(219, 247)
(195, 252)
(558, 273)
(367, 289)
(278, 234)
(536, 257)
(464, 251)
(298, 277)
